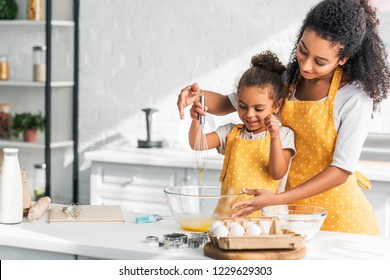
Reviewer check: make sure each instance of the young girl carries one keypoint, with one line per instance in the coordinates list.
(338, 74)
(257, 152)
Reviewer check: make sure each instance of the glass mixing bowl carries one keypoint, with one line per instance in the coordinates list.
(302, 219)
(195, 208)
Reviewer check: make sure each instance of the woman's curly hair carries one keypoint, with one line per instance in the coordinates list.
(266, 70)
(352, 24)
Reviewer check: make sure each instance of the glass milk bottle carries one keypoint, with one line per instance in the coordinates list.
(11, 188)
(39, 63)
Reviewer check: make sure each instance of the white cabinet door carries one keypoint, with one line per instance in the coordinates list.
(137, 188)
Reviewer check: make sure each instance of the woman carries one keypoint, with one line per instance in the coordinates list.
(337, 74)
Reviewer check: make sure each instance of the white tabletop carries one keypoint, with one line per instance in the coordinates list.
(127, 241)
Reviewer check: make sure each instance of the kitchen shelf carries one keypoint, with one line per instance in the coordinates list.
(58, 23)
(35, 84)
(60, 110)
(21, 144)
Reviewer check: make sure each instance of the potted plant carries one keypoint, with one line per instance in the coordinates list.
(8, 9)
(28, 124)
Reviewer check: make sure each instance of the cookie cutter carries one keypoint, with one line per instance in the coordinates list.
(197, 239)
(175, 240)
(152, 240)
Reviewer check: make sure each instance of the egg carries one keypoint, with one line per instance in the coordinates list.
(253, 230)
(221, 231)
(266, 226)
(236, 230)
(249, 223)
(215, 225)
(233, 224)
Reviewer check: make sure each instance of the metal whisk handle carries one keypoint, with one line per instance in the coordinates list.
(202, 118)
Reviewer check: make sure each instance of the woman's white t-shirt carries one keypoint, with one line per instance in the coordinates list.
(352, 115)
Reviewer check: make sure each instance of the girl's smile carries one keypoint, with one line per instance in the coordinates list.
(254, 105)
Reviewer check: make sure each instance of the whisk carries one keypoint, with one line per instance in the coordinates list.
(200, 146)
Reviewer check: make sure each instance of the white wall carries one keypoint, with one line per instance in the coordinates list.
(141, 53)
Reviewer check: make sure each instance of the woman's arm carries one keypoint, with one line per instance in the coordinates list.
(325, 180)
(216, 103)
(329, 178)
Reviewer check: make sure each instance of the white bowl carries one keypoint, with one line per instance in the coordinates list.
(302, 219)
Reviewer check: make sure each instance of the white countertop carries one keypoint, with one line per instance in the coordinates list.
(180, 157)
(127, 241)
(170, 157)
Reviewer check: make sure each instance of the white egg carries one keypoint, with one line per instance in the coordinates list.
(234, 224)
(249, 223)
(221, 231)
(253, 230)
(266, 226)
(215, 225)
(236, 230)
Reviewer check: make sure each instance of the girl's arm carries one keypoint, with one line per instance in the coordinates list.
(279, 158)
(193, 132)
(212, 138)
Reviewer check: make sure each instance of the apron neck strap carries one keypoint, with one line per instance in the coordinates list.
(335, 84)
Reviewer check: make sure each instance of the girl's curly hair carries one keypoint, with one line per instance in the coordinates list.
(352, 24)
(266, 70)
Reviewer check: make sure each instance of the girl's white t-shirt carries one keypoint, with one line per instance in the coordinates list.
(352, 116)
(286, 140)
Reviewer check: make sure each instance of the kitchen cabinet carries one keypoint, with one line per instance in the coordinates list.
(140, 188)
(136, 180)
(56, 98)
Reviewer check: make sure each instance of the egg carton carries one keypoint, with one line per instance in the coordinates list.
(271, 236)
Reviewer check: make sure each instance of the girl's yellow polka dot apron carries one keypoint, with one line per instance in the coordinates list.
(315, 138)
(245, 166)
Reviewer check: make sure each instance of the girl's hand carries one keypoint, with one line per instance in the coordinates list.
(261, 199)
(272, 124)
(197, 110)
(187, 96)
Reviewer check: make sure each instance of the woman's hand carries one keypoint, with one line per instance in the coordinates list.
(187, 96)
(261, 199)
(272, 124)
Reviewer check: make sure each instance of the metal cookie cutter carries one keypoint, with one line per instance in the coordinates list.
(152, 240)
(197, 239)
(175, 240)
(72, 211)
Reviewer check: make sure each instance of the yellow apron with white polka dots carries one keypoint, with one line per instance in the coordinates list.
(315, 138)
(246, 165)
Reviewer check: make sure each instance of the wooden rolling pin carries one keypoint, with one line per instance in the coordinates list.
(37, 210)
